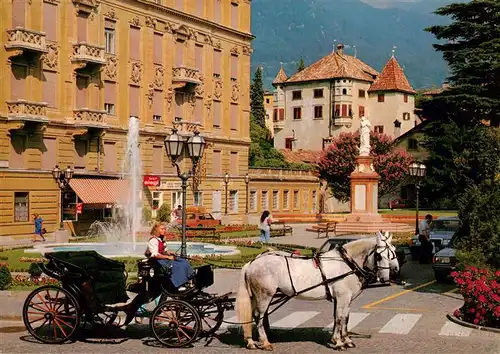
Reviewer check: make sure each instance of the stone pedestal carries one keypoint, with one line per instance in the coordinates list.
(61, 236)
(364, 192)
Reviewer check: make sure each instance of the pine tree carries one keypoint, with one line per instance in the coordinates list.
(301, 66)
(472, 50)
(257, 98)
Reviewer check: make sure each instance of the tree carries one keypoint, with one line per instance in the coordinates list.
(257, 99)
(472, 50)
(339, 161)
(302, 65)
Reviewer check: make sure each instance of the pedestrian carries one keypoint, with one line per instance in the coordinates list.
(424, 234)
(265, 226)
(178, 212)
(39, 230)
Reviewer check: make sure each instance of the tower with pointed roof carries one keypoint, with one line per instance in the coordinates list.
(279, 101)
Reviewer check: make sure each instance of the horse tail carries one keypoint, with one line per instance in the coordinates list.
(243, 304)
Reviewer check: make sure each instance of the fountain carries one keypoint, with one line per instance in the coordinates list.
(121, 232)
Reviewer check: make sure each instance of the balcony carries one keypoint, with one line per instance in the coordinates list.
(86, 55)
(89, 117)
(27, 111)
(278, 124)
(342, 121)
(182, 76)
(21, 40)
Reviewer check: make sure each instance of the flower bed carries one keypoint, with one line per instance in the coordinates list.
(481, 291)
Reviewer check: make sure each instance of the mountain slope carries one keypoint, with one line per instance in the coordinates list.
(285, 30)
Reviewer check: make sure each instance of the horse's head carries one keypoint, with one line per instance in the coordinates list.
(385, 256)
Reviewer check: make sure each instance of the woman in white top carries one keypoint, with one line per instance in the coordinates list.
(265, 226)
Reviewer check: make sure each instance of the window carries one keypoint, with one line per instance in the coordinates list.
(296, 199)
(318, 112)
(362, 93)
(253, 201)
(179, 102)
(233, 112)
(344, 91)
(216, 162)
(134, 103)
(199, 7)
(397, 128)
(109, 108)
(109, 39)
(286, 200)
(234, 66)
(79, 153)
(21, 206)
(234, 15)
(81, 92)
(198, 58)
(18, 86)
(18, 13)
(264, 201)
(275, 200)
(318, 93)
(406, 116)
(217, 55)
(49, 154)
(157, 48)
(81, 25)
(217, 10)
(135, 35)
(109, 157)
(49, 20)
(157, 199)
(17, 151)
(275, 115)
(296, 95)
(337, 110)
(379, 129)
(282, 114)
(157, 106)
(361, 111)
(233, 161)
(217, 114)
(405, 98)
(179, 53)
(49, 88)
(198, 199)
(289, 143)
(314, 201)
(233, 201)
(381, 97)
(297, 113)
(344, 110)
(412, 144)
(157, 159)
(156, 118)
(267, 100)
(176, 200)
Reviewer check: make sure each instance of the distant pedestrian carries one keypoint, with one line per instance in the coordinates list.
(39, 230)
(178, 212)
(424, 234)
(265, 226)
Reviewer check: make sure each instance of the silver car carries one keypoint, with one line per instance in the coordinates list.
(442, 230)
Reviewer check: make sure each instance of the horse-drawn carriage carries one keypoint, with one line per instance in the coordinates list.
(93, 290)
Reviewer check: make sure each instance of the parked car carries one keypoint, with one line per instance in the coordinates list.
(442, 230)
(198, 217)
(444, 262)
(398, 203)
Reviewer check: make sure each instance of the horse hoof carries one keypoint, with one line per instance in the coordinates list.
(251, 346)
(351, 345)
(269, 347)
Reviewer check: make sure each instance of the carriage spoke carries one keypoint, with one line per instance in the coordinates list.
(37, 308)
(54, 327)
(58, 325)
(37, 319)
(43, 302)
(50, 304)
(44, 322)
(184, 333)
(63, 322)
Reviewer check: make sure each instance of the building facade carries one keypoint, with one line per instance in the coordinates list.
(331, 95)
(269, 107)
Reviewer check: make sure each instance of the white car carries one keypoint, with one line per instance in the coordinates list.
(442, 230)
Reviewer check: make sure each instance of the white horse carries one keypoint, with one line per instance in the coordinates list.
(337, 275)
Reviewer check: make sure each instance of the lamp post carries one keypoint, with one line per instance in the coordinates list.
(417, 172)
(226, 182)
(174, 145)
(247, 181)
(62, 177)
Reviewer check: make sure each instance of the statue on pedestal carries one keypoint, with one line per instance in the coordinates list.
(364, 137)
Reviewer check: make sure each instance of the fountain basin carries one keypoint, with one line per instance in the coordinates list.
(127, 249)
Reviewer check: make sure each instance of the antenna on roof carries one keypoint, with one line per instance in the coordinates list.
(394, 50)
(355, 51)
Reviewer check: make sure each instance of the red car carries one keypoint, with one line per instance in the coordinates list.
(198, 217)
(398, 204)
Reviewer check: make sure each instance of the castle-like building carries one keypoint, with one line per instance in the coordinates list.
(331, 95)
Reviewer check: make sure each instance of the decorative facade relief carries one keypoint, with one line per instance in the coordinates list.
(247, 50)
(235, 91)
(208, 103)
(135, 21)
(217, 88)
(200, 88)
(191, 98)
(136, 72)
(51, 59)
(158, 79)
(169, 97)
(111, 14)
(111, 69)
(235, 50)
(182, 33)
(150, 94)
(168, 27)
(150, 22)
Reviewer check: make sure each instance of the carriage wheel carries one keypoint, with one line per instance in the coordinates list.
(51, 314)
(212, 316)
(175, 323)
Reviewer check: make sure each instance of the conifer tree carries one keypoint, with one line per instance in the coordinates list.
(302, 65)
(257, 99)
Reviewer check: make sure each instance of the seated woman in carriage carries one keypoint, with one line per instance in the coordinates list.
(182, 272)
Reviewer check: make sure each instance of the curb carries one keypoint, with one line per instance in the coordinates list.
(471, 325)
(13, 318)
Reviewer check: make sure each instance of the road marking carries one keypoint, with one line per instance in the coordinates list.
(401, 323)
(295, 319)
(354, 319)
(393, 296)
(451, 329)
(401, 309)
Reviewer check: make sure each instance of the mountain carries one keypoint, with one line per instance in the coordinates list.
(287, 30)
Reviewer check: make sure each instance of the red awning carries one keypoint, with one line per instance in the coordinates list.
(100, 191)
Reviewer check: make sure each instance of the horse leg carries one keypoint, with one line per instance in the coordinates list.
(262, 306)
(341, 304)
(345, 333)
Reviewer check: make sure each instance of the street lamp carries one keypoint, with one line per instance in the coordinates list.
(62, 177)
(417, 172)
(247, 181)
(174, 145)
(226, 182)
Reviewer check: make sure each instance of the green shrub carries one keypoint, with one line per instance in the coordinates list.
(163, 213)
(34, 270)
(146, 215)
(5, 278)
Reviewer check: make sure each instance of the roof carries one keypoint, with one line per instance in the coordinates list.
(335, 65)
(100, 190)
(392, 78)
(413, 130)
(301, 156)
(280, 77)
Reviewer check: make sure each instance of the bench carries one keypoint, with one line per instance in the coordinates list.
(207, 232)
(325, 229)
(280, 229)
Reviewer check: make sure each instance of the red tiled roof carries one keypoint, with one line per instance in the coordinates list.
(335, 65)
(301, 156)
(280, 77)
(392, 78)
(100, 191)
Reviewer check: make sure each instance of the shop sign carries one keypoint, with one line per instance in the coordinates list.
(151, 181)
(79, 208)
(175, 185)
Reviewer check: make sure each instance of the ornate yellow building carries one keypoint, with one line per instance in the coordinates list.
(74, 71)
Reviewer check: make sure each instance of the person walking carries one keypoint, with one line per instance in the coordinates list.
(38, 221)
(424, 234)
(265, 226)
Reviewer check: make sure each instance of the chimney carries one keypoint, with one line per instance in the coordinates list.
(340, 48)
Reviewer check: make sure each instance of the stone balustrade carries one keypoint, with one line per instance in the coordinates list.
(339, 121)
(23, 108)
(182, 74)
(279, 173)
(83, 115)
(86, 53)
(24, 39)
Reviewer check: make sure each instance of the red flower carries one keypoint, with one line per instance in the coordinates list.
(476, 321)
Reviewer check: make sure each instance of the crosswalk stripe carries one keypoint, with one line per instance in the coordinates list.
(401, 323)
(355, 318)
(453, 330)
(295, 319)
